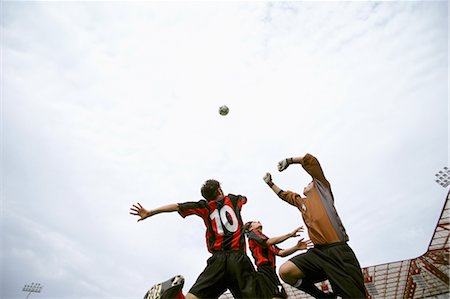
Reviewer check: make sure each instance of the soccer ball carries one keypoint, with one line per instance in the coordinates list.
(223, 110)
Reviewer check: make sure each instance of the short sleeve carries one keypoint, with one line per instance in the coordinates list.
(275, 249)
(193, 208)
(258, 237)
(238, 199)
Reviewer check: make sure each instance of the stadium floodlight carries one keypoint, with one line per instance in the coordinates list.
(32, 288)
(443, 177)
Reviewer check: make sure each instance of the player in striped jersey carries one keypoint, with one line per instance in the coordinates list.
(264, 251)
(229, 267)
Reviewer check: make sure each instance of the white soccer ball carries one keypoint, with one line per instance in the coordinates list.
(223, 110)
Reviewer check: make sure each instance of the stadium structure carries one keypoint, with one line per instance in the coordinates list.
(426, 276)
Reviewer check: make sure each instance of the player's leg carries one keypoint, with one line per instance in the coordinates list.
(169, 289)
(293, 276)
(308, 286)
(290, 273)
(269, 284)
(302, 271)
(191, 296)
(344, 272)
(211, 283)
(240, 275)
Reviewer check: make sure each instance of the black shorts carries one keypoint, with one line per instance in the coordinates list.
(231, 270)
(337, 263)
(267, 284)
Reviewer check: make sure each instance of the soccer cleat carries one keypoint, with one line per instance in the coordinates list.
(169, 289)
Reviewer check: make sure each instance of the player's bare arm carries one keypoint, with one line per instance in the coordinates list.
(139, 210)
(301, 245)
(276, 240)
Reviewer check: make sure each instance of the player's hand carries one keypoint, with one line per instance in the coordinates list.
(268, 179)
(283, 164)
(296, 232)
(303, 245)
(138, 210)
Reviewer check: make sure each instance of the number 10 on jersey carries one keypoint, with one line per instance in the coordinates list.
(221, 219)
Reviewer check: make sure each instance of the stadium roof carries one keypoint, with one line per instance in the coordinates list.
(422, 277)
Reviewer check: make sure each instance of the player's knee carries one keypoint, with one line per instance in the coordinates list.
(284, 273)
(190, 296)
(290, 273)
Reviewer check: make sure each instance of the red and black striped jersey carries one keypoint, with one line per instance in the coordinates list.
(263, 254)
(222, 218)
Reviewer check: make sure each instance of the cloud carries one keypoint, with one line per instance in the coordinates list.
(107, 104)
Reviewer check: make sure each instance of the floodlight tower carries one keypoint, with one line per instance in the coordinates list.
(443, 177)
(33, 288)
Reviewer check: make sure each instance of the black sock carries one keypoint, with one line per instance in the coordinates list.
(308, 287)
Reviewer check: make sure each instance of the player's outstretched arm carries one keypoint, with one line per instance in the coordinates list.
(139, 210)
(301, 245)
(268, 179)
(288, 196)
(275, 240)
(283, 164)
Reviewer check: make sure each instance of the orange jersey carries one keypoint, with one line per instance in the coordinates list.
(318, 211)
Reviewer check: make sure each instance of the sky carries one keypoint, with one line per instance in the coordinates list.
(105, 104)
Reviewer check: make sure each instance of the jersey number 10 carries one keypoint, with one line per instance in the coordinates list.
(221, 220)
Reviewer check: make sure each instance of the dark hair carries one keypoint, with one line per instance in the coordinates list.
(210, 189)
(247, 227)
